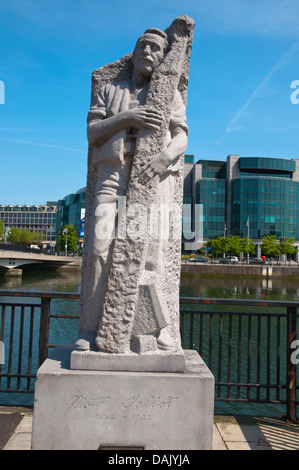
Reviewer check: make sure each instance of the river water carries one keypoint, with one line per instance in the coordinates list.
(192, 285)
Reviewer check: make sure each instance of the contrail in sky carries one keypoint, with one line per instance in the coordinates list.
(57, 147)
(233, 125)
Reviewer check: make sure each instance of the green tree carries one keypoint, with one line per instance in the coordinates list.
(225, 245)
(1, 228)
(234, 245)
(217, 246)
(25, 237)
(247, 246)
(37, 237)
(14, 236)
(270, 246)
(287, 247)
(70, 238)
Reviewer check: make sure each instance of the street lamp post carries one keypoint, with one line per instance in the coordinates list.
(6, 233)
(65, 246)
(248, 240)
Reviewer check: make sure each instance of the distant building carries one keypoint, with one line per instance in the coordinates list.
(245, 196)
(237, 196)
(71, 211)
(40, 218)
(263, 192)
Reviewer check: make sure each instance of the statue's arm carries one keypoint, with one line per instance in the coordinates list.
(101, 129)
(176, 147)
(159, 163)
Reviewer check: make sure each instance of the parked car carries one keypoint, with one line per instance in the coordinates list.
(229, 260)
(198, 259)
(257, 261)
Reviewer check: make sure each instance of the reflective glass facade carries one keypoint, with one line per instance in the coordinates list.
(270, 204)
(261, 191)
(70, 211)
(211, 195)
(246, 196)
(271, 165)
(265, 197)
(213, 169)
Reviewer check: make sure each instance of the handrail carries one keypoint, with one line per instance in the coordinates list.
(39, 294)
(183, 300)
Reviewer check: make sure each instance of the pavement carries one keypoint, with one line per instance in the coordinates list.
(230, 432)
(15, 428)
(254, 433)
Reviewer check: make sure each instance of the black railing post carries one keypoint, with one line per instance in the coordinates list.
(291, 365)
(44, 330)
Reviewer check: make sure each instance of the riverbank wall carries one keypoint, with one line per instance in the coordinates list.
(218, 269)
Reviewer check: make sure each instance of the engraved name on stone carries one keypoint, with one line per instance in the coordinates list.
(98, 357)
(79, 401)
(135, 407)
(136, 401)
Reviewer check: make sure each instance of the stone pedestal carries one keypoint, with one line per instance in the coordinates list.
(161, 361)
(89, 410)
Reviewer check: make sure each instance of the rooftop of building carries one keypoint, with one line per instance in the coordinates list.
(48, 207)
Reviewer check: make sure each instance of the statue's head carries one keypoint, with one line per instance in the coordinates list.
(149, 51)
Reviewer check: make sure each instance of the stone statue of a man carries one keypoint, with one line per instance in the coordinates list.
(122, 121)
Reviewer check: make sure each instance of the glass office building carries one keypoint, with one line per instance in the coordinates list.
(71, 211)
(238, 196)
(205, 186)
(265, 198)
(212, 195)
(245, 196)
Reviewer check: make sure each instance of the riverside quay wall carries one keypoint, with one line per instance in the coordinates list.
(241, 269)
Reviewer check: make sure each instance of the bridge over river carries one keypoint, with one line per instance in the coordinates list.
(12, 263)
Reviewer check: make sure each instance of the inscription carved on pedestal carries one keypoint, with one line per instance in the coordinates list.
(135, 407)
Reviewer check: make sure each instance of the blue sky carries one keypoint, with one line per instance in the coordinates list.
(245, 56)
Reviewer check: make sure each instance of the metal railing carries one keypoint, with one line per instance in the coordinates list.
(24, 331)
(249, 345)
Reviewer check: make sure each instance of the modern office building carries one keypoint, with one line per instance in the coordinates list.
(71, 211)
(264, 193)
(40, 218)
(205, 187)
(237, 196)
(245, 196)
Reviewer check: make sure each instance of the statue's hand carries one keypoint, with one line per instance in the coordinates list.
(142, 117)
(157, 165)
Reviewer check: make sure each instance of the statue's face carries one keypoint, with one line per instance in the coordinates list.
(148, 53)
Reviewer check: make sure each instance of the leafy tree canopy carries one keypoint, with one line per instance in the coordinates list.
(247, 246)
(1, 228)
(286, 246)
(232, 245)
(68, 236)
(270, 246)
(24, 237)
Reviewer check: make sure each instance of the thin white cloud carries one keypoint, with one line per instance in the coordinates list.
(50, 146)
(17, 129)
(235, 124)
